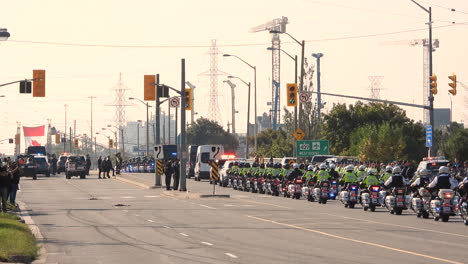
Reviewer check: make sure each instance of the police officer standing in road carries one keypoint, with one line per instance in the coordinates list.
(99, 165)
(176, 169)
(168, 173)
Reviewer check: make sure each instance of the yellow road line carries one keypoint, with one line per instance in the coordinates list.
(355, 240)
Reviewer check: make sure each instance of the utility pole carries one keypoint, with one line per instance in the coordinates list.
(157, 113)
(74, 130)
(301, 86)
(71, 140)
(91, 97)
(65, 130)
(176, 120)
(169, 122)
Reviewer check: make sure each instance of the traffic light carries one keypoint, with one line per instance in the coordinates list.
(39, 83)
(433, 84)
(75, 143)
(111, 143)
(453, 84)
(188, 99)
(149, 88)
(57, 138)
(10, 141)
(25, 87)
(291, 94)
(17, 139)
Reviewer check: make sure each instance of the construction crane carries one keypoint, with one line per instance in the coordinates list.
(278, 26)
(425, 44)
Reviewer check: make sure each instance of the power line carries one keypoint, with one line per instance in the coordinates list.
(226, 45)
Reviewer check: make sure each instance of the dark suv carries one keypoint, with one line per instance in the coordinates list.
(75, 166)
(42, 165)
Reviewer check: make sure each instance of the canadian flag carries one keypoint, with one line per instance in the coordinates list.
(34, 136)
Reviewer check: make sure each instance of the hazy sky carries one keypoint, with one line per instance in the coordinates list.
(341, 29)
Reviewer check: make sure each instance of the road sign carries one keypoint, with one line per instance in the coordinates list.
(428, 136)
(299, 134)
(214, 171)
(158, 152)
(304, 97)
(309, 148)
(174, 102)
(216, 152)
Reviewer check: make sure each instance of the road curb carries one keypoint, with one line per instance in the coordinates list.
(215, 196)
(139, 184)
(35, 231)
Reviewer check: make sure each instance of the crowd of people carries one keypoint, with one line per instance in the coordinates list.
(172, 171)
(9, 183)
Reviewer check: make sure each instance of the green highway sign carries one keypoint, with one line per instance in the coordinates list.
(309, 148)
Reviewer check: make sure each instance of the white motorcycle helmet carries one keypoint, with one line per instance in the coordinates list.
(396, 170)
(323, 166)
(444, 170)
(362, 167)
(350, 168)
(310, 168)
(388, 168)
(423, 172)
(295, 166)
(332, 166)
(371, 172)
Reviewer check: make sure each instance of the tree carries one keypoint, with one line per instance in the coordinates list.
(452, 142)
(273, 143)
(206, 132)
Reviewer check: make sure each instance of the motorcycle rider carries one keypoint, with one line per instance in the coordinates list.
(396, 180)
(369, 180)
(387, 174)
(349, 177)
(296, 172)
(361, 173)
(442, 181)
(322, 174)
(309, 174)
(334, 175)
(422, 180)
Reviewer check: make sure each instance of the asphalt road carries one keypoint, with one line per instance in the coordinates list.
(81, 223)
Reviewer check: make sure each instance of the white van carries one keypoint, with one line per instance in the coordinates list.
(202, 167)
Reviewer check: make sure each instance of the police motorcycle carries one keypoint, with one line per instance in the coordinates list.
(349, 196)
(295, 188)
(443, 206)
(421, 201)
(321, 192)
(246, 178)
(334, 187)
(397, 200)
(371, 199)
(462, 207)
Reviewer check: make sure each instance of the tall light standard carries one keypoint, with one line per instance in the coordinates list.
(295, 81)
(4, 34)
(65, 130)
(121, 139)
(301, 84)
(431, 96)
(147, 123)
(115, 136)
(108, 139)
(319, 97)
(248, 115)
(138, 136)
(192, 112)
(233, 106)
(255, 96)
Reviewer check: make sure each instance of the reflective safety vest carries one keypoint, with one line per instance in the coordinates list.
(350, 177)
(370, 180)
(322, 175)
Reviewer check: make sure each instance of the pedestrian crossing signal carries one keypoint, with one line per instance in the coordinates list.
(291, 90)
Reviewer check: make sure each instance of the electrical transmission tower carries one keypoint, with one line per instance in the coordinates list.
(213, 109)
(120, 103)
(375, 86)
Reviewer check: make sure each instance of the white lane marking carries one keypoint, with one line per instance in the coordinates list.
(152, 196)
(137, 215)
(228, 205)
(151, 221)
(206, 243)
(400, 226)
(209, 207)
(231, 255)
(183, 234)
(125, 211)
(166, 226)
(127, 197)
(354, 240)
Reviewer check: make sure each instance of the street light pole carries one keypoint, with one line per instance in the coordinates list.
(431, 96)
(255, 97)
(248, 115)
(319, 98)
(65, 130)
(147, 123)
(233, 107)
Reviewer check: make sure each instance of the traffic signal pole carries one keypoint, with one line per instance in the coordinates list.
(183, 147)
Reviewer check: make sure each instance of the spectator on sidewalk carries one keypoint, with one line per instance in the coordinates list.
(15, 179)
(5, 182)
(109, 167)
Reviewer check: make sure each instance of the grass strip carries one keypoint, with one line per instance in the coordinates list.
(16, 240)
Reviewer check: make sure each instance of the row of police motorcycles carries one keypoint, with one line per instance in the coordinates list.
(439, 204)
(139, 165)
